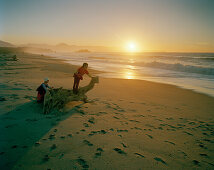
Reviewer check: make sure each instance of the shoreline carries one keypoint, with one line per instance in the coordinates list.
(200, 87)
(129, 123)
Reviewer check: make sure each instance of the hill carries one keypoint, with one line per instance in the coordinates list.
(5, 44)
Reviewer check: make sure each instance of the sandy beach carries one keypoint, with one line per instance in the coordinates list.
(128, 124)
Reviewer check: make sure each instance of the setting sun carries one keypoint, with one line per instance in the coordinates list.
(131, 47)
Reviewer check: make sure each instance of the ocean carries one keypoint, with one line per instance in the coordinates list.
(193, 71)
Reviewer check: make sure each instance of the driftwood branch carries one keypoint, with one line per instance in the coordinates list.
(56, 99)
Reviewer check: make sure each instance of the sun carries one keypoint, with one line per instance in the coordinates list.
(131, 47)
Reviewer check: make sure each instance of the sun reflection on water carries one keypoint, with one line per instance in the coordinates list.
(129, 74)
(131, 61)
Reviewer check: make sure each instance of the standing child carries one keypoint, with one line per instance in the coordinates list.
(79, 76)
(42, 89)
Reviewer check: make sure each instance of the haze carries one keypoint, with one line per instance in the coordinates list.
(163, 25)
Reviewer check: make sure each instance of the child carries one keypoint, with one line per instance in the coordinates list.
(79, 76)
(42, 89)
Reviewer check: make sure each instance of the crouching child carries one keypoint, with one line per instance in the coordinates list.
(42, 89)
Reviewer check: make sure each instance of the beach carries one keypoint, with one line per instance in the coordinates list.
(128, 124)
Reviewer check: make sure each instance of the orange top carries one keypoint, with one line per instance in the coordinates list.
(82, 71)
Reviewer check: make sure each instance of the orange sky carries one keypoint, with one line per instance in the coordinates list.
(164, 25)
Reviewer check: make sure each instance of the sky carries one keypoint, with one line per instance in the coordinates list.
(152, 25)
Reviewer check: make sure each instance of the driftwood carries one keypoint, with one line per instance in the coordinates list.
(56, 99)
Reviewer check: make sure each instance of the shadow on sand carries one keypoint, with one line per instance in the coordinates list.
(22, 127)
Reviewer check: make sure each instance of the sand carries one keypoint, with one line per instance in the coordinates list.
(128, 124)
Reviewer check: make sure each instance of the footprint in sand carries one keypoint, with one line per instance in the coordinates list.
(192, 123)
(205, 134)
(70, 135)
(125, 146)
(169, 118)
(149, 136)
(46, 158)
(116, 117)
(203, 154)
(85, 124)
(136, 121)
(2, 99)
(24, 146)
(139, 155)
(98, 153)
(61, 155)
(117, 108)
(51, 136)
(207, 140)
(120, 151)
(182, 125)
(195, 162)
(82, 162)
(172, 126)
(53, 147)
(139, 116)
(120, 110)
(148, 125)
(202, 146)
(160, 128)
(37, 143)
(136, 128)
(92, 133)
(160, 160)
(88, 143)
(100, 149)
(14, 146)
(99, 131)
(159, 120)
(102, 132)
(169, 142)
(118, 113)
(121, 130)
(91, 120)
(188, 133)
(81, 112)
(99, 113)
(184, 154)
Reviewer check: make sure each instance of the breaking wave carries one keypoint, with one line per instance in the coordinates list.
(179, 67)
